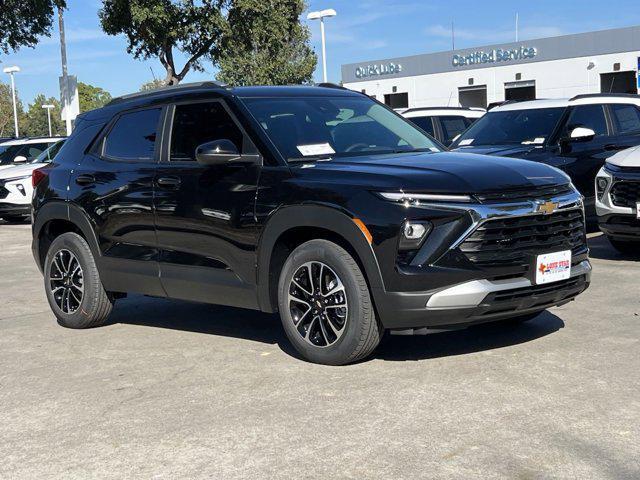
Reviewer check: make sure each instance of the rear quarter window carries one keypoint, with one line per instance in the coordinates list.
(626, 119)
(133, 136)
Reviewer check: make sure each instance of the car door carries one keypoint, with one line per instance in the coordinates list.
(582, 160)
(626, 125)
(113, 186)
(206, 227)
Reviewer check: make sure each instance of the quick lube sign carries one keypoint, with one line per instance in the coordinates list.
(497, 55)
(378, 69)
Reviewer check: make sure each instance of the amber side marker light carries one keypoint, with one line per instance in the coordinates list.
(363, 228)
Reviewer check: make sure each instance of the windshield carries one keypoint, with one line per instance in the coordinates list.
(8, 153)
(311, 127)
(50, 153)
(526, 127)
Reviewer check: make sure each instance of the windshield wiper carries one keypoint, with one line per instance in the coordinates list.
(310, 158)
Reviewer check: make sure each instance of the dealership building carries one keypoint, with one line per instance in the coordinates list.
(606, 61)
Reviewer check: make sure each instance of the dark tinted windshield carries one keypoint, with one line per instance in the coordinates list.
(529, 127)
(50, 153)
(8, 153)
(307, 127)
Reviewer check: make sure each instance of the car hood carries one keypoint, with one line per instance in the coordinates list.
(446, 172)
(15, 171)
(626, 158)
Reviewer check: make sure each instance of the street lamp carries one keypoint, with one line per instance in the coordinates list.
(11, 71)
(49, 107)
(320, 15)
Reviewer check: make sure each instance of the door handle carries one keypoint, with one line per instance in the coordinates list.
(85, 179)
(168, 182)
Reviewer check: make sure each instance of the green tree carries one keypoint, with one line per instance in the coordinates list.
(36, 123)
(6, 112)
(23, 21)
(92, 97)
(151, 85)
(155, 28)
(264, 43)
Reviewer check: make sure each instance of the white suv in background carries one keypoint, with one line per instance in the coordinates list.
(443, 123)
(24, 150)
(618, 200)
(16, 188)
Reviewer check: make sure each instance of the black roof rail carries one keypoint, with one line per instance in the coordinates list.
(331, 85)
(422, 109)
(605, 95)
(158, 91)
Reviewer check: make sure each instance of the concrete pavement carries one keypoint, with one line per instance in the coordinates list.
(176, 390)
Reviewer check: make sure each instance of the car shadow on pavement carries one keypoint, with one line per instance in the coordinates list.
(601, 249)
(202, 318)
(260, 327)
(478, 338)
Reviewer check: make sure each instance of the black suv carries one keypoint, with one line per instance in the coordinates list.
(316, 202)
(575, 135)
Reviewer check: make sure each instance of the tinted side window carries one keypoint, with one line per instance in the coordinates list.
(199, 123)
(34, 149)
(626, 118)
(424, 123)
(452, 126)
(587, 116)
(133, 137)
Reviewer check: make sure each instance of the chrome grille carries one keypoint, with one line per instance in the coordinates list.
(625, 194)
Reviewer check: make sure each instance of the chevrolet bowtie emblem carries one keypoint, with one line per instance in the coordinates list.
(546, 208)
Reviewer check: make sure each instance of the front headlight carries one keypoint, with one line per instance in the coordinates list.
(603, 182)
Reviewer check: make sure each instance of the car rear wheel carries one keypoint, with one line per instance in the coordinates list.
(73, 285)
(325, 305)
(626, 247)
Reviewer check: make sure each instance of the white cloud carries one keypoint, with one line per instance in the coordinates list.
(480, 36)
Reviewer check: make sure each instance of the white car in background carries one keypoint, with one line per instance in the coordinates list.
(16, 188)
(23, 150)
(618, 200)
(443, 123)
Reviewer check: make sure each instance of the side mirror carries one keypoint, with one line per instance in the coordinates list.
(582, 134)
(218, 152)
(20, 159)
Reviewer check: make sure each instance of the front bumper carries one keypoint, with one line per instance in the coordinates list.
(614, 220)
(480, 301)
(14, 209)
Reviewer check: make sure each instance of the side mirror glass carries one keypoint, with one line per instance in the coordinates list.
(582, 134)
(20, 159)
(218, 152)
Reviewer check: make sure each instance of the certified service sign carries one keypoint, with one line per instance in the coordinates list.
(495, 56)
(378, 69)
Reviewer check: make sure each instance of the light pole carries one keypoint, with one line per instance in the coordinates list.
(320, 15)
(49, 107)
(11, 71)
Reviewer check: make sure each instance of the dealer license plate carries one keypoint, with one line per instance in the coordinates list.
(553, 267)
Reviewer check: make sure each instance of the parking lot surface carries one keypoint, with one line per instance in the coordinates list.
(177, 390)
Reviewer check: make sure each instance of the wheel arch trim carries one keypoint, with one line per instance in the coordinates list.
(332, 219)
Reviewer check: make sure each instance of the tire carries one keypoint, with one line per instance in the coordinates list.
(77, 297)
(630, 248)
(338, 335)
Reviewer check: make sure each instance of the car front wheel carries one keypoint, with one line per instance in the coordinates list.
(325, 305)
(72, 283)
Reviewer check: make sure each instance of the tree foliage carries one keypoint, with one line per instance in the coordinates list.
(36, 123)
(264, 43)
(92, 97)
(155, 28)
(23, 21)
(151, 85)
(6, 112)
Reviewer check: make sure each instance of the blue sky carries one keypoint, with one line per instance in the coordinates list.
(363, 30)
